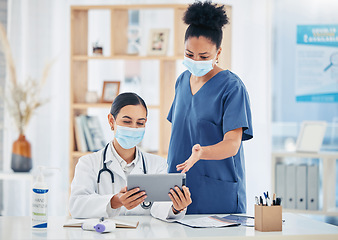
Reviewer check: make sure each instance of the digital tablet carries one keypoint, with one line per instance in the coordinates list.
(156, 186)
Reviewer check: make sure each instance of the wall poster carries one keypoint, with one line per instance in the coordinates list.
(317, 63)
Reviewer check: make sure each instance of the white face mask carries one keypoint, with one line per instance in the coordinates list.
(129, 137)
(198, 68)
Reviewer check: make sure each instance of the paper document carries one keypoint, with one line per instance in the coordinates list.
(208, 222)
(119, 223)
(243, 220)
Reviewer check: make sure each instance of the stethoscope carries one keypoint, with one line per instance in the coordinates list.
(143, 205)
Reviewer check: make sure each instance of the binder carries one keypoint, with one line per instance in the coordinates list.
(301, 188)
(280, 181)
(290, 186)
(312, 187)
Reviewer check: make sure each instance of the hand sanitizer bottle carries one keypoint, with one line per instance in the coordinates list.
(39, 202)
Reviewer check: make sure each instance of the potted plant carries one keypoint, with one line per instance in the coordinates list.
(21, 100)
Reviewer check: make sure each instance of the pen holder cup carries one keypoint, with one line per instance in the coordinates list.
(268, 218)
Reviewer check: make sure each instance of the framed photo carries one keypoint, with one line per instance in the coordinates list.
(158, 41)
(110, 91)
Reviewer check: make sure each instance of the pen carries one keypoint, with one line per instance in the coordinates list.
(267, 199)
(261, 200)
(278, 201)
(274, 199)
(256, 200)
(268, 202)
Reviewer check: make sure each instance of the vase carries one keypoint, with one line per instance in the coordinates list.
(21, 155)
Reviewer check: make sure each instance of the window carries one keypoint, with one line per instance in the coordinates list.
(3, 20)
(288, 111)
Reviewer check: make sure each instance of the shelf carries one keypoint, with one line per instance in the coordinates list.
(125, 57)
(77, 154)
(127, 7)
(328, 173)
(326, 155)
(82, 106)
(334, 212)
(91, 105)
(81, 58)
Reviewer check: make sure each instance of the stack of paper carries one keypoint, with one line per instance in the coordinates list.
(208, 222)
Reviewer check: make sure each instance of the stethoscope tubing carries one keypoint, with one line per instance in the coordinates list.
(104, 168)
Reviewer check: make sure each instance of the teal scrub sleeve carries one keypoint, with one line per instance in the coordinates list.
(237, 112)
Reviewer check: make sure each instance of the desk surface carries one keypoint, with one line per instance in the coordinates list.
(10, 175)
(295, 227)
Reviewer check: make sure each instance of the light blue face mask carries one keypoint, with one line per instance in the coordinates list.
(198, 68)
(129, 137)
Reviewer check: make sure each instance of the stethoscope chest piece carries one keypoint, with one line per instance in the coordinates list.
(144, 205)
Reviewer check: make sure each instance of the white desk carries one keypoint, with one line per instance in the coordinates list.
(16, 176)
(295, 227)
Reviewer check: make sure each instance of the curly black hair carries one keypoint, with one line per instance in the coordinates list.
(205, 19)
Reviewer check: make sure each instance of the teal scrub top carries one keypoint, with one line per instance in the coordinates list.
(221, 105)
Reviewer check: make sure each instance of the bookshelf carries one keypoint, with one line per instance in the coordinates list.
(80, 58)
(328, 182)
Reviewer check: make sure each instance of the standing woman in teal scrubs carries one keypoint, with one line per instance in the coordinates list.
(210, 118)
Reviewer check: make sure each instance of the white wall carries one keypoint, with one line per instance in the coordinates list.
(251, 57)
(35, 43)
(39, 32)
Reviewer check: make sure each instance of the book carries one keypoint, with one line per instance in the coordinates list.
(86, 132)
(79, 135)
(77, 223)
(93, 133)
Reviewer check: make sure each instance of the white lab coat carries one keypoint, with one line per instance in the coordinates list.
(86, 202)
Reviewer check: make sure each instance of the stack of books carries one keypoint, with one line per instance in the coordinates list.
(88, 134)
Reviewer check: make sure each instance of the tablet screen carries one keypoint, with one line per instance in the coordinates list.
(156, 186)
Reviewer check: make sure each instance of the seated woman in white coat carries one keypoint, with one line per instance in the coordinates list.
(109, 197)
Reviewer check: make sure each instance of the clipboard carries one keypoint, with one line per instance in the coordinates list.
(208, 222)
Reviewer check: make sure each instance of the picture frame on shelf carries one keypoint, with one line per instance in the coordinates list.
(110, 91)
(158, 41)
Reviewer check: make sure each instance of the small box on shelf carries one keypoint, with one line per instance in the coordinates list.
(97, 49)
